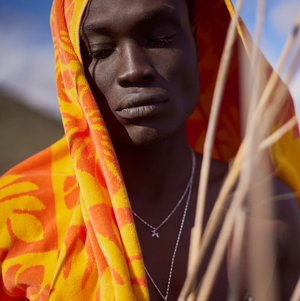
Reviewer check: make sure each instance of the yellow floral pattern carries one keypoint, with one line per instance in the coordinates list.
(66, 227)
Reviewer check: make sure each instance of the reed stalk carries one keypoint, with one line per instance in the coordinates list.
(249, 162)
(209, 140)
(262, 111)
(296, 293)
(237, 245)
(277, 135)
(279, 66)
(234, 172)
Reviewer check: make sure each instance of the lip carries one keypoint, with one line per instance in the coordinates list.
(142, 104)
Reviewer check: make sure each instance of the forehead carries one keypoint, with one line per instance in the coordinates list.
(112, 11)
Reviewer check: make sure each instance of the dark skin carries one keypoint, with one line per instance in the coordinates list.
(140, 58)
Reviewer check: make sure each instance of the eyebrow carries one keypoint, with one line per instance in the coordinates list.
(163, 12)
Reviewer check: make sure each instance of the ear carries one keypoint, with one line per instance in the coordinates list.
(194, 26)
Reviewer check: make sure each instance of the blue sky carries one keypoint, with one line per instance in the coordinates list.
(279, 20)
(32, 11)
(26, 51)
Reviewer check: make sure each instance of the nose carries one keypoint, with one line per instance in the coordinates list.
(135, 66)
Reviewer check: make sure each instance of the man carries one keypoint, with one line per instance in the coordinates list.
(140, 59)
(141, 62)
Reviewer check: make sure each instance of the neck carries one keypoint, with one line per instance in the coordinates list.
(152, 172)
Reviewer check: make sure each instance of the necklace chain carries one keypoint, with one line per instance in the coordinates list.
(154, 229)
(189, 188)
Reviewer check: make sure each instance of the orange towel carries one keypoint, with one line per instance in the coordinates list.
(66, 229)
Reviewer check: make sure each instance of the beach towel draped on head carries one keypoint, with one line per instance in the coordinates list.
(67, 231)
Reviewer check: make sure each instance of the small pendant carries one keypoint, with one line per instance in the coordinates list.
(155, 233)
(248, 297)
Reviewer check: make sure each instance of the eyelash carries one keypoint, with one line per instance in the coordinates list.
(155, 43)
(161, 42)
(102, 54)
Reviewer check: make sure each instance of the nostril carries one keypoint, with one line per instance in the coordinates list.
(125, 82)
(147, 78)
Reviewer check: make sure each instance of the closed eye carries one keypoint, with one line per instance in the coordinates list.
(160, 42)
(101, 54)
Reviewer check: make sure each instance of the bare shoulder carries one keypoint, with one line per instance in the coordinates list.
(287, 220)
(287, 216)
(286, 213)
(286, 209)
(284, 225)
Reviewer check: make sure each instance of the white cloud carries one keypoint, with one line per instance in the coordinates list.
(282, 16)
(27, 67)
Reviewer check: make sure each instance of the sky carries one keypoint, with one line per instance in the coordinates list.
(27, 60)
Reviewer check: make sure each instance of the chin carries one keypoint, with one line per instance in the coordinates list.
(148, 132)
(146, 136)
(141, 136)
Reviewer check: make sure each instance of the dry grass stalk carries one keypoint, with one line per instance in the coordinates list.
(233, 174)
(243, 187)
(263, 274)
(273, 138)
(210, 135)
(219, 208)
(237, 244)
(262, 258)
(281, 62)
(274, 108)
(224, 236)
(296, 293)
(219, 250)
(232, 178)
(218, 93)
(249, 162)
(267, 271)
(213, 221)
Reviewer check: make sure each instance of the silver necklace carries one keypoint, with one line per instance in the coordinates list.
(155, 229)
(190, 184)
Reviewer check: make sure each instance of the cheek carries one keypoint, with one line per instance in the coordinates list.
(180, 69)
(187, 70)
(103, 77)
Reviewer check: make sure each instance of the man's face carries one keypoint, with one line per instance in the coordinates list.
(140, 59)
